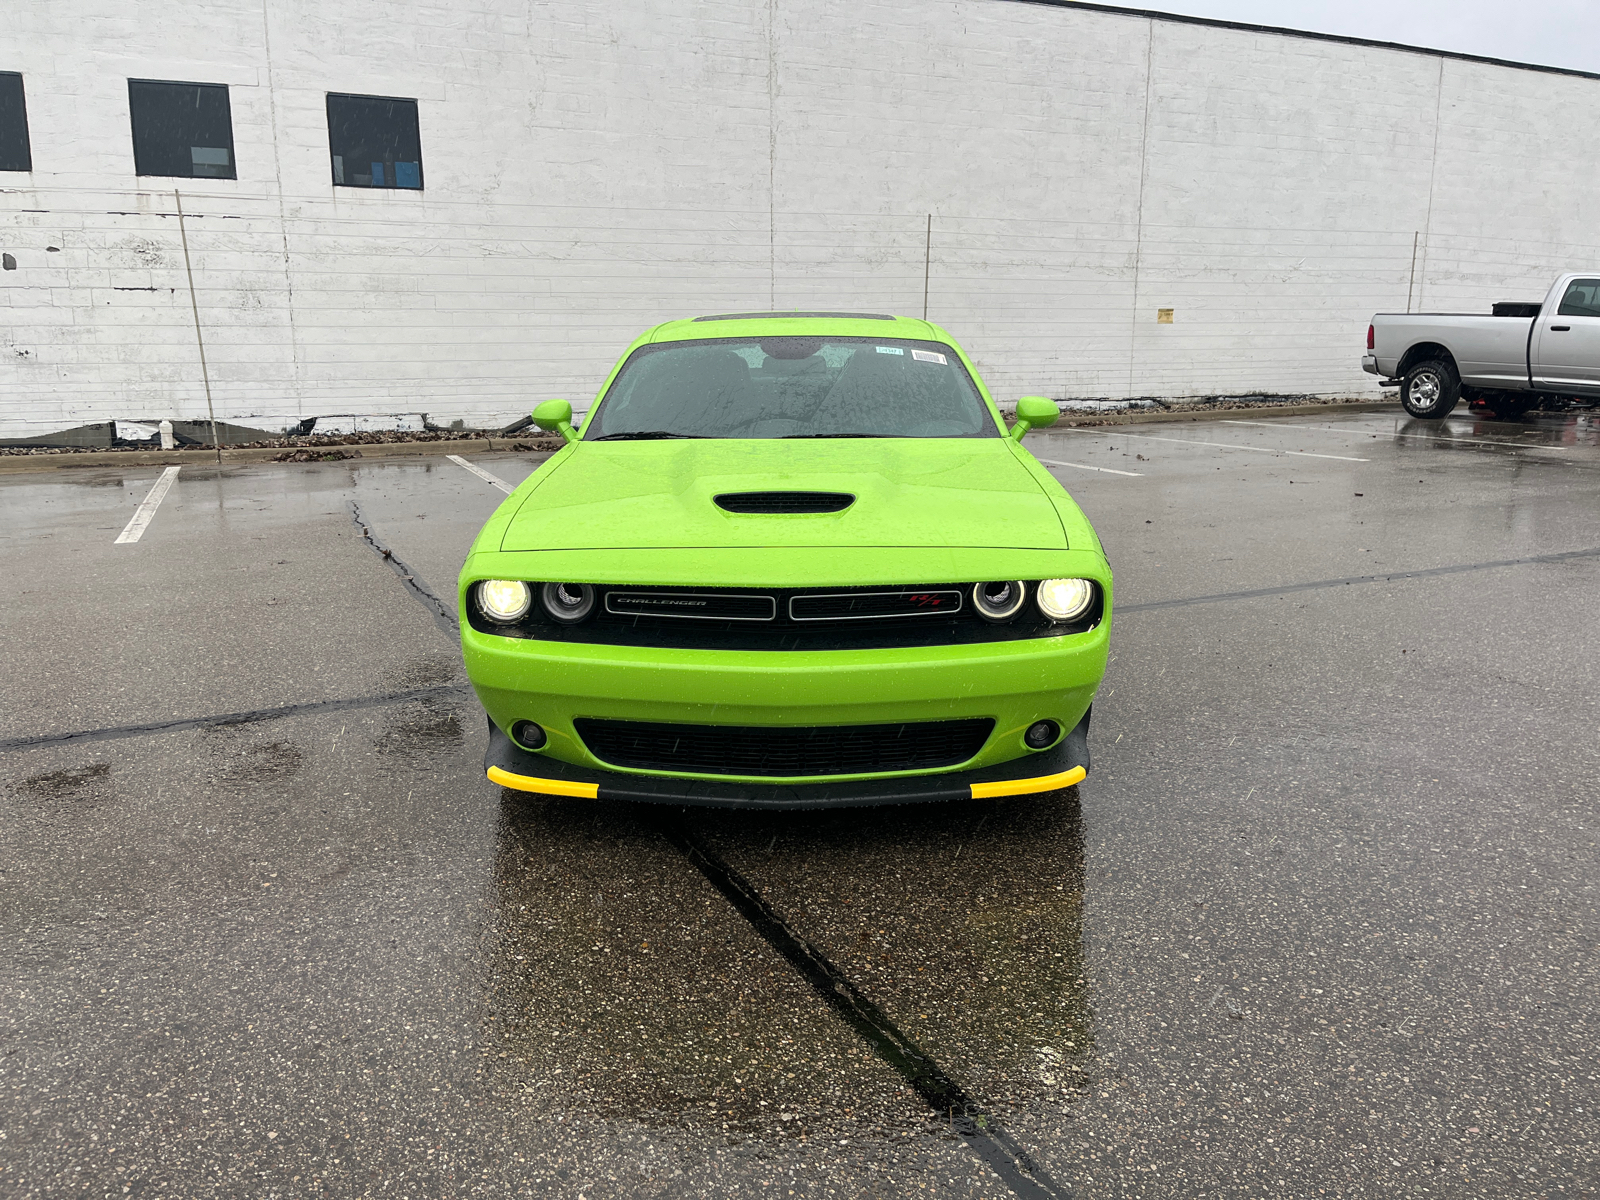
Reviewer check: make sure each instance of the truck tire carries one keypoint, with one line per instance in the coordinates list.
(1430, 389)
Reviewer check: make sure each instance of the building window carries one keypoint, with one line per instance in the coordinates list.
(374, 142)
(183, 130)
(15, 154)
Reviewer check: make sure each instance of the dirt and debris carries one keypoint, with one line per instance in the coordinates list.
(314, 455)
(296, 442)
(1083, 413)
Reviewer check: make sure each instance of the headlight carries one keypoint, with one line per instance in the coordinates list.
(1065, 599)
(999, 601)
(568, 603)
(504, 600)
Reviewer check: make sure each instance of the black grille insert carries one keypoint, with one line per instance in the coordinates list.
(863, 606)
(698, 606)
(785, 502)
(794, 751)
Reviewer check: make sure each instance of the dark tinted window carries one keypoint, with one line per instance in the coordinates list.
(183, 130)
(1582, 299)
(14, 152)
(374, 142)
(795, 387)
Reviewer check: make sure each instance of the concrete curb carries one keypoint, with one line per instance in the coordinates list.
(1084, 420)
(10, 463)
(203, 456)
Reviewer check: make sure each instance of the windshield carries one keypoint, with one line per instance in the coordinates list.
(792, 387)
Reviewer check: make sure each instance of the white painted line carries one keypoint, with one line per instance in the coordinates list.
(1086, 467)
(1150, 437)
(1426, 437)
(147, 508)
(482, 474)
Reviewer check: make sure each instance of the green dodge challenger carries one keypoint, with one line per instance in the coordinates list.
(791, 560)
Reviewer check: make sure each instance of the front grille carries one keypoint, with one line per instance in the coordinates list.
(793, 751)
(858, 618)
(784, 502)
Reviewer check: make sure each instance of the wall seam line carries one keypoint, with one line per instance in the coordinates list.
(283, 220)
(772, 154)
(1138, 236)
(1433, 174)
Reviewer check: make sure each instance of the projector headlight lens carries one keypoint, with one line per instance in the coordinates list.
(504, 601)
(568, 603)
(1065, 599)
(999, 600)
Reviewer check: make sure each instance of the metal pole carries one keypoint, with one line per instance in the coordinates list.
(1413, 281)
(194, 305)
(927, 259)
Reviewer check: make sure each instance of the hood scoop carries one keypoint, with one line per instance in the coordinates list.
(784, 502)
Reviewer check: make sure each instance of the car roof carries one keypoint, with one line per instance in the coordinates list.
(763, 324)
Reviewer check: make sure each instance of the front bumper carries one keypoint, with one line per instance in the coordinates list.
(1012, 683)
(1062, 766)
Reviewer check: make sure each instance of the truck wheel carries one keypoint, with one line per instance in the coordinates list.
(1430, 389)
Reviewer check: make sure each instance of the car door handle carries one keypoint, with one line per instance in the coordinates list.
(1560, 328)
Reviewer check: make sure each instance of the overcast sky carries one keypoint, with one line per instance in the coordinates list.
(1556, 33)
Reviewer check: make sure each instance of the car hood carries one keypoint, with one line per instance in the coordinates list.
(909, 492)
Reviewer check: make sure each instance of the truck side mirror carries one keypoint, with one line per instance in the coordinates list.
(1034, 412)
(556, 416)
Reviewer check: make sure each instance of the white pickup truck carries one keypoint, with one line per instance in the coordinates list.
(1520, 356)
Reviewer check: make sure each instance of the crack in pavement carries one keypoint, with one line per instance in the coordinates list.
(1288, 588)
(444, 617)
(236, 718)
(926, 1077)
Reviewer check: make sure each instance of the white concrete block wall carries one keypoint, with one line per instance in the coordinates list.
(593, 168)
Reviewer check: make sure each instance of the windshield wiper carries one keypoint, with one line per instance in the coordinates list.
(788, 436)
(645, 435)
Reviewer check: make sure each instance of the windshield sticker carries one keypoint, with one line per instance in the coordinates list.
(928, 356)
(890, 350)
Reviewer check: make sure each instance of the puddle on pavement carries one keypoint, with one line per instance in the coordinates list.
(421, 731)
(428, 671)
(73, 786)
(621, 984)
(264, 762)
(1470, 434)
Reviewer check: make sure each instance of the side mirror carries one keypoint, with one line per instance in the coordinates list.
(556, 415)
(1033, 412)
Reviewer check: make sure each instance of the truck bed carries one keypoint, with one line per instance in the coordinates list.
(1489, 351)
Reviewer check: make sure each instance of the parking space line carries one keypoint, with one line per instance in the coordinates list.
(146, 511)
(1426, 437)
(482, 474)
(1150, 437)
(1086, 467)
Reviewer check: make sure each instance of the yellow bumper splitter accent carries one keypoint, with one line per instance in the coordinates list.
(550, 787)
(1023, 787)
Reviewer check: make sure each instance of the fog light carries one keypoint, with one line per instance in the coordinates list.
(1065, 599)
(504, 600)
(568, 603)
(998, 600)
(1041, 734)
(528, 735)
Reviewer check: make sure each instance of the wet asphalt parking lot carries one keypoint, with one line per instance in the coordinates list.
(1321, 922)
